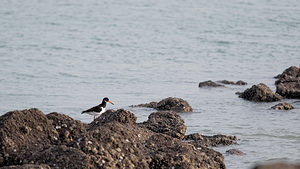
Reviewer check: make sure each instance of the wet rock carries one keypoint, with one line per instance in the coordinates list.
(287, 74)
(166, 122)
(149, 105)
(121, 115)
(278, 166)
(240, 82)
(161, 148)
(260, 93)
(60, 157)
(170, 103)
(22, 133)
(289, 89)
(67, 128)
(116, 141)
(210, 83)
(204, 141)
(288, 84)
(235, 152)
(27, 166)
(174, 104)
(282, 106)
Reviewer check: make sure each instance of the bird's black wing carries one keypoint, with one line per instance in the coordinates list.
(93, 109)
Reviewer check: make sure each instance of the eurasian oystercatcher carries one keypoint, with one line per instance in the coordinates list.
(97, 110)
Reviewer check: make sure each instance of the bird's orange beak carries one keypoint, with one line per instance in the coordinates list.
(110, 102)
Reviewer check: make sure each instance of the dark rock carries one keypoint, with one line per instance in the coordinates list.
(67, 128)
(174, 104)
(240, 82)
(121, 115)
(22, 133)
(166, 122)
(204, 141)
(282, 106)
(260, 93)
(278, 166)
(235, 152)
(288, 73)
(61, 157)
(289, 89)
(161, 148)
(170, 103)
(288, 84)
(29, 138)
(27, 166)
(149, 105)
(210, 83)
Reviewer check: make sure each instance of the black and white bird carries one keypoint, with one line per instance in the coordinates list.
(97, 110)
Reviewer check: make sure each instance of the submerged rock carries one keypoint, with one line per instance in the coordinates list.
(166, 122)
(204, 141)
(260, 93)
(235, 152)
(210, 83)
(240, 82)
(114, 140)
(282, 106)
(170, 103)
(277, 166)
(288, 84)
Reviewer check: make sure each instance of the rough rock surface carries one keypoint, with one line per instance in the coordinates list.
(240, 82)
(121, 115)
(204, 141)
(278, 166)
(235, 152)
(67, 128)
(174, 104)
(166, 122)
(260, 93)
(149, 105)
(60, 157)
(27, 166)
(210, 83)
(288, 84)
(282, 106)
(30, 139)
(22, 133)
(170, 103)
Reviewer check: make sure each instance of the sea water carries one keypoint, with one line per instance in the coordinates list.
(65, 56)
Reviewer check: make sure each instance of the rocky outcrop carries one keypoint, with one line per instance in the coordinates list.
(22, 133)
(260, 93)
(204, 141)
(170, 103)
(209, 83)
(278, 166)
(166, 122)
(67, 128)
(235, 152)
(30, 139)
(240, 82)
(283, 106)
(288, 84)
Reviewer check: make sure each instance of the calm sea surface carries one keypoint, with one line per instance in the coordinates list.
(65, 56)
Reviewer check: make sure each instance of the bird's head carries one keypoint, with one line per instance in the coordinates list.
(107, 100)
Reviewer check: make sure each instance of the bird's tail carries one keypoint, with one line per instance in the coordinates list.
(83, 112)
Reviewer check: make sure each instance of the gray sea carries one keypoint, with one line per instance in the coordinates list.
(65, 56)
